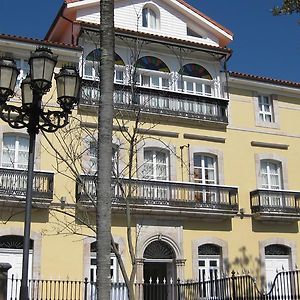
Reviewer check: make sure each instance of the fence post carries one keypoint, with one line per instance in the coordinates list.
(178, 289)
(233, 279)
(4, 267)
(85, 288)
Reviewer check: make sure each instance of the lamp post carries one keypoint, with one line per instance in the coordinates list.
(31, 114)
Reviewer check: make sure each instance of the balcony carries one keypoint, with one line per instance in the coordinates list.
(164, 197)
(180, 106)
(279, 205)
(13, 185)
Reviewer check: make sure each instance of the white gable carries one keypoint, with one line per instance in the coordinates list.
(174, 21)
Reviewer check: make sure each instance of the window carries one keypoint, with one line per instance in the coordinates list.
(195, 79)
(93, 265)
(23, 66)
(265, 109)
(277, 258)
(150, 18)
(205, 172)
(92, 151)
(152, 72)
(156, 164)
(15, 150)
(205, 169)
(209, 256)
(270, 172)
(92, 66)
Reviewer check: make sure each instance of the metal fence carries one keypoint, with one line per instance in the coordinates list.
(286, 286)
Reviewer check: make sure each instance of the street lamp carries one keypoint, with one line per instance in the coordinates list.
(35, 117)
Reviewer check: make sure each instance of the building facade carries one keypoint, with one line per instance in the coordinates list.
(206, 158)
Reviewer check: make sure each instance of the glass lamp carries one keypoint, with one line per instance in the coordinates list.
(42, 63)
(8, 78)
(68, 85)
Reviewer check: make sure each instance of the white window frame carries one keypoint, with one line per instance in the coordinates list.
(151, 74)
(24, 68)
(14, 160)
(266, 110)
(113, 267)
(207, 268)
(202, 168)
(154, 163)
(92, 156)
(268, 174)
(195, 82)
(148, 16)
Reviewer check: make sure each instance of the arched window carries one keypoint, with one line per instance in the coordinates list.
(195, 79)
(150, 18)
(152, 72)
(15, 150)
(92, 64)
(209, 261)
(11, 252)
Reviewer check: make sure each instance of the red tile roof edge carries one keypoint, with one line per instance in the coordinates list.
(37, 41)
(195, 10)
(264, 79)
(161, 37)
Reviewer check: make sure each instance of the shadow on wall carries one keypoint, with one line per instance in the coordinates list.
(247, 263)
(213, 225)
(16, 214)
(280, 227)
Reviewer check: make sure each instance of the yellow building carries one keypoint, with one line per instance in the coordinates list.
(214, 184)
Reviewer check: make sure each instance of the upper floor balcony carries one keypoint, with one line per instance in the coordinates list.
(163, 102)
(190, 93)
(279, 205)
(185, 199)
(13, 183)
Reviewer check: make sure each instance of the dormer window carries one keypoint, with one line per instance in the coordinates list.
(150, 18)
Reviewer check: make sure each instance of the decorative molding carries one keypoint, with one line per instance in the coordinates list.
(269, 145)
(158, 132)
(204, 138)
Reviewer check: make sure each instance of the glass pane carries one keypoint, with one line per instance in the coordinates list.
(145, 80)
(161, 157)
(189, 86)
(155, 81)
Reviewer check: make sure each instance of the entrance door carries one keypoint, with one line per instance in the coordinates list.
(14, 258)
(273, 266)
(159, 269)
(155, 272)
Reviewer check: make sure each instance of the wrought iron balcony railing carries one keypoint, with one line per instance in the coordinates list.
(164, 102)
(279, 204)
(144, 193)
(13, 183)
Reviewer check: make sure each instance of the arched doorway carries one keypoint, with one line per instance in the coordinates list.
(11, 252)
(277, 258)
(159, 262)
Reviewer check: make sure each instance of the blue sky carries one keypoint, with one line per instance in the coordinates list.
(263, 45)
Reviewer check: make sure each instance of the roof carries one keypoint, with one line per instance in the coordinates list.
(264, 79)
(195, 10)
(39, 42)
(161, 38)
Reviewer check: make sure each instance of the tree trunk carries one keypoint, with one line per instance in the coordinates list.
(104, 168)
